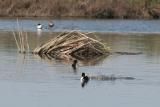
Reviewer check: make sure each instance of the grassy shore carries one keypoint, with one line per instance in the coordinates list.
(121, 9)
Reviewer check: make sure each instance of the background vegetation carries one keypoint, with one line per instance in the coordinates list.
(123, 9)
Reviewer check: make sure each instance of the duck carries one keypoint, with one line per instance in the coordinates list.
(39, 26)
(74, 64)
(84, 79)
(51, 24)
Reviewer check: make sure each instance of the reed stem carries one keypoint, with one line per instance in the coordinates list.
(16, 41)
(27, 42)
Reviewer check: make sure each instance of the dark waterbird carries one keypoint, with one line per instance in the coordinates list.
(84, 79)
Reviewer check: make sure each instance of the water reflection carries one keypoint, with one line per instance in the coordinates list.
(74, 65)
(92, 62)
(22, 62)
(39, 32)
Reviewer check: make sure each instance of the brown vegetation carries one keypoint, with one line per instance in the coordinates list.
(81, 8)
(71, 45)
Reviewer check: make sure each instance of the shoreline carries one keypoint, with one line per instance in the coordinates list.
(101, 9)
(71, 18)
(67, 18)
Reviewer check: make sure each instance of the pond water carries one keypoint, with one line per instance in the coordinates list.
(86, 25)
(29, 81)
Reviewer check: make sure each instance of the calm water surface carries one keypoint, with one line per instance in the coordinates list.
(29, 81)
(86, 25)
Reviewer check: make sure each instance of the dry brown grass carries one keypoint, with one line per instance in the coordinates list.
(71, 45)
(80, 8)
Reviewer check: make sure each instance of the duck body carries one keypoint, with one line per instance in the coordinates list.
(39, 26)
(84, 79)
(51, 25)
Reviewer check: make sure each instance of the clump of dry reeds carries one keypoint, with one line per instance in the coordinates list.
(21, 39)
(72, 45)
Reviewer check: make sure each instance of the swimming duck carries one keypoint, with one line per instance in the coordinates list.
(84, 78)
(51, 24)
(74, 64)
(39, 26)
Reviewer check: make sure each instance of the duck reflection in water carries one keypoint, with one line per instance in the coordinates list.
(74, 65)
(84, 80)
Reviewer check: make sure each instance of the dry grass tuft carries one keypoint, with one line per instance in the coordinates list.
(72, 45)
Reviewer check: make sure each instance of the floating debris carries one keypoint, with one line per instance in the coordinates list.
(72, 45)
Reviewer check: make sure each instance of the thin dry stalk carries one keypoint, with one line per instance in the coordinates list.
(23, 43)
(27, 42)
(20, 38)
(16, 41)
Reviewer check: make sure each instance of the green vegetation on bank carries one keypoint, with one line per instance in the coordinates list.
(122, 9)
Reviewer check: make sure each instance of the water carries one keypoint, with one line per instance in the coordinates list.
(28, 81)
(94, 25)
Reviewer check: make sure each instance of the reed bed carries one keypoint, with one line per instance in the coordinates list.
(21, 39)
(71, 45)
(122, 9)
